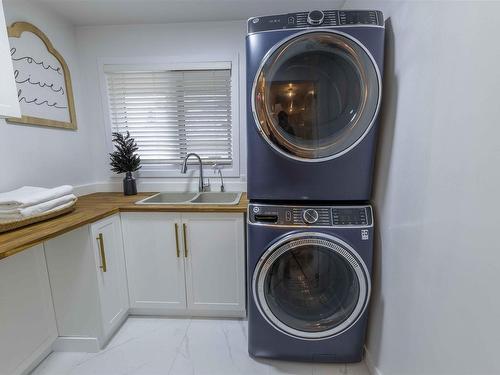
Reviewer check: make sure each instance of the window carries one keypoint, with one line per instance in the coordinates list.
(173, 111)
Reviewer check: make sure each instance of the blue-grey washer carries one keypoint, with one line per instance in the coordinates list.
(309, 271)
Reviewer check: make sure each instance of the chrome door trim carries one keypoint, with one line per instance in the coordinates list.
(341, 248)
(259, 70)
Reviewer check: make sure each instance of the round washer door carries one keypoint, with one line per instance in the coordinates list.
(311, 286)
(316, 95)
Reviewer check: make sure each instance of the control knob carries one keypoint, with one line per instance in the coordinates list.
(310, 216)
(315, 18)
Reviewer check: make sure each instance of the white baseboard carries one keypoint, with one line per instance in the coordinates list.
(116, 327)
(171, 313)
(371, 364)
(36, 358)
(76, 344)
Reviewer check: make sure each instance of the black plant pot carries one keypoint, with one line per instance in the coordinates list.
(129, 185)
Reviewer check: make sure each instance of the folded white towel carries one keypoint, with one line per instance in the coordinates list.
(5, 220)
(41, 208)
(31, 195)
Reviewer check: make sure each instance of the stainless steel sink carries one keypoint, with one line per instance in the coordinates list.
(171, 198)
(217, 198)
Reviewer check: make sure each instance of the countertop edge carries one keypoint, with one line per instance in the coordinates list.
(48, 236)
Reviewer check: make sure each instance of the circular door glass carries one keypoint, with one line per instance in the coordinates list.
(316, 96)
(311, 287)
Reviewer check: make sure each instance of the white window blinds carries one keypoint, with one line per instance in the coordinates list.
(171, 113)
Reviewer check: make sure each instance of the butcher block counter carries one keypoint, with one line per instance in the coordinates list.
(93, 207)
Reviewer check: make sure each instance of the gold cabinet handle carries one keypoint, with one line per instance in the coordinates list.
(100, 244)
(176, 228)
(184, 230)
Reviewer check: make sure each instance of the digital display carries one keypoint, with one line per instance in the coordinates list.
(349, 216)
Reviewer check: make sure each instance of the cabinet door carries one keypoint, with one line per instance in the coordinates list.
(27, 322)
(155, 264)
(72, 274)
(215, 266)
(9, 104)
(111, 278)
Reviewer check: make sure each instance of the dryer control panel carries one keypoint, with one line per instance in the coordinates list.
(310, 216)
(315, 18)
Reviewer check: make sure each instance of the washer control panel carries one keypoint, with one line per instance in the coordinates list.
(317, 216)
(315, 18)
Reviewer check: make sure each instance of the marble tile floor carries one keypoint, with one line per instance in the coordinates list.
(161, 346)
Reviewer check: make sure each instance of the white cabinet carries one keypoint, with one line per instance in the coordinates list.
(9, 104)
(185, 264)
(155, 263)
(90, 301)
(70, 294)
(27, 322)
(215, 265)
(111, 277)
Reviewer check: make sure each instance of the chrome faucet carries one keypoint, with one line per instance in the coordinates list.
(201, 185)
(218, 170)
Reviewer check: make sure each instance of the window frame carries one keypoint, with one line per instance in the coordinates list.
(174, 63)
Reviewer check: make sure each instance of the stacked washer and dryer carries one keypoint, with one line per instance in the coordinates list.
(314, 90)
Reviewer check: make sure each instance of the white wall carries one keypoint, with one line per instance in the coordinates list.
(214, 40)
(436, 305)
(43, 156)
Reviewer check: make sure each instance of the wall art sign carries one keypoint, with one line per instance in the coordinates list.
(42, 77)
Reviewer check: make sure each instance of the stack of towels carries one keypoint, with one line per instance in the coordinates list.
(30, 201)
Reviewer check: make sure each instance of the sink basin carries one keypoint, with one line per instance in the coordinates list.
(169, 198)
(216, 198)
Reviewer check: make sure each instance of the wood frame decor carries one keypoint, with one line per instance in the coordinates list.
(15, 31)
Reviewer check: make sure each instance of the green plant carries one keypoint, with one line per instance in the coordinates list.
(124, 159)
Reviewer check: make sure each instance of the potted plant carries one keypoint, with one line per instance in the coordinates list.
(125, 160)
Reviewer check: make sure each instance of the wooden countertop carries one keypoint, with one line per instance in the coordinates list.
(91, 208)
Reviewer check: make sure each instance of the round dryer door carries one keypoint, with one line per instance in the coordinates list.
(316, 95)
(311, 286)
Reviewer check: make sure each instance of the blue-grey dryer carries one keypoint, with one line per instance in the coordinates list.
(308, 281)
(314, 89)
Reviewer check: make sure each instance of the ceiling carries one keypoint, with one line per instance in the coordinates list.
(123, 12)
